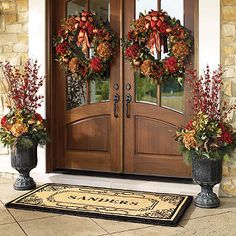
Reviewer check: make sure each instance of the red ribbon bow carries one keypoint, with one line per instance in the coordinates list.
(154, 41)
(83, 39)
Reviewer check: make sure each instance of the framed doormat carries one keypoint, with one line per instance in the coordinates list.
(116, 204)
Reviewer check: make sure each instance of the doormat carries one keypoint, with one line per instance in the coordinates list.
(116, 204)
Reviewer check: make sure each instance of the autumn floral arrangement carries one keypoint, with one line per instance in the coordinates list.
(22, 125)
(85, 46)
(208, 134)
(147, 36)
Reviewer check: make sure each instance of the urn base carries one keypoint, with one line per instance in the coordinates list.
(207, 198)
(24, 159)
(207, 173)
(24, 183)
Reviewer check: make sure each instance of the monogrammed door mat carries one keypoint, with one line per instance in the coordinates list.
(115, 204)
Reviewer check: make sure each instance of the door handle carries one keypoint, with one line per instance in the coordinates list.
(128, 100)
(116, 100)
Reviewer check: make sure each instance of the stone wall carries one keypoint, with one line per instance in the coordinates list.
(13, 35)
(13, 40)
(14, 31)
(228, 60)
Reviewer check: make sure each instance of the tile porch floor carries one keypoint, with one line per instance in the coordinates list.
(199, 222)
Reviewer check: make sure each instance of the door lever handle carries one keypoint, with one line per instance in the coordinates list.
(128, 100)
(116, 100)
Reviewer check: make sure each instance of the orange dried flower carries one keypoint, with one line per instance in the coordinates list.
(180, 49)
(141, 24)
(19, 128)
(146, 67)
(104, 50)
(73, 65)
(70, 24)
(189, 139)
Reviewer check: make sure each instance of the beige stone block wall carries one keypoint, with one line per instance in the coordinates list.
(228, 60)
(13, 36)
(13, 31)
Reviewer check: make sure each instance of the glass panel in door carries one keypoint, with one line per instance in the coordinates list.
(99, 89)
(76, 90)
(74, 7)
(145, 88)
(172, 91)
(144, 6)
(95, 90)
(102, 9)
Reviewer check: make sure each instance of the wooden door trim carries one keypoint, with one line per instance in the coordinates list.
(51, 152)
(195, 55)
(49, 99)
(196, 34)
(121, 91)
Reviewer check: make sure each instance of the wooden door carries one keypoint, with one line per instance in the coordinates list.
(86, 134)
(154, 112)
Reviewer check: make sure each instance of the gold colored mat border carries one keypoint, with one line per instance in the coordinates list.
(57, 208)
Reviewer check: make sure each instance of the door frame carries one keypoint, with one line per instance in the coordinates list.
(50, 90)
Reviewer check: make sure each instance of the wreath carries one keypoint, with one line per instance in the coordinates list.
(149, 35)
(85, 46)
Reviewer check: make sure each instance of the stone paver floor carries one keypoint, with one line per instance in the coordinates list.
(200, 222)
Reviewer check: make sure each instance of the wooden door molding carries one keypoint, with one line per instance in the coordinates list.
(49, 98)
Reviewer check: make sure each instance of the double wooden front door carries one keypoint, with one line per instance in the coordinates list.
(123, 124)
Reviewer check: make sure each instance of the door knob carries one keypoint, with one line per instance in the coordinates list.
(128, 100)
(116, 100)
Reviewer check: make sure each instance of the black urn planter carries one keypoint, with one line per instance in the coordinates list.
(24, 160)
(207, 173)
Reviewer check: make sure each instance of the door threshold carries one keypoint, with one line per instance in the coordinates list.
(186, 180)
(159, 185)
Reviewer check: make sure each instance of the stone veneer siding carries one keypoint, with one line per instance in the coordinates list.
(14, 31)
(228, 60)
(13, 40)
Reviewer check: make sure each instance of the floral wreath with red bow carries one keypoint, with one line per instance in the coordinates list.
(77, 35)
(150, 34)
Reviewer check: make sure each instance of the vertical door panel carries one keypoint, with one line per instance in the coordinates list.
(155, 111)
(87, 133)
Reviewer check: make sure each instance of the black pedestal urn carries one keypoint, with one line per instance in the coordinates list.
(24, 160)
(207, 173)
